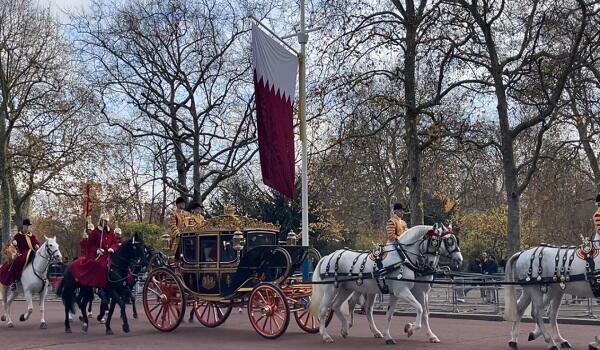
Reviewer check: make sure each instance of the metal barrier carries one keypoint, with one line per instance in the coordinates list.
(469, 298)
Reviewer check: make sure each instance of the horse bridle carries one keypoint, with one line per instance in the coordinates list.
(49, 258)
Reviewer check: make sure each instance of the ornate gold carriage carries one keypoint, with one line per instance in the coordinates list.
(230, 261)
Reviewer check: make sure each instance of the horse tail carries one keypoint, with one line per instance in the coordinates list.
(318, 290)
(510, 291)
(66, 290)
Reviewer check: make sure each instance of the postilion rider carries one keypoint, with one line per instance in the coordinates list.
(91, 270)
(26, 243)
(396, 226)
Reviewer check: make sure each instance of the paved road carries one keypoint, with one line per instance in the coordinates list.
(237, 333)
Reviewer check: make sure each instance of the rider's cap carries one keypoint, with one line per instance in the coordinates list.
(179, 200)
(26, 222)
(398, 206)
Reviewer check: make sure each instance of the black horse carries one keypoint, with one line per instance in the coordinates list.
(154, 259)
(127, 256)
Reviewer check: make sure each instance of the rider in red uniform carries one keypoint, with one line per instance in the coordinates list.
(26, 244)
(92, 270)
(84, 239)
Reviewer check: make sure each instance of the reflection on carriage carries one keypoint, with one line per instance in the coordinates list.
(226, 261)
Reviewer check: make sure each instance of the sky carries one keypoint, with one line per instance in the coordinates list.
(63, 5)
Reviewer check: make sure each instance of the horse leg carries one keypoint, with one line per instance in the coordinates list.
(537, 299)
(89, 306)
(555, 297)
(405, 294)
(522, 304)
(123, 307)
(82, 302)
(3, 295)
(340, 298)
(369, 303)
(421, 293)
(11, 296)
(135, 314)
(111, 310)
(351, 305)
(43, 294)
(388, 316)
(325, 307)
(29, 298)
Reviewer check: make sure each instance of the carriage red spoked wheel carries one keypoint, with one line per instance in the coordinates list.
(268, 310)
(212, 314)
(164, 300)
(308, 322)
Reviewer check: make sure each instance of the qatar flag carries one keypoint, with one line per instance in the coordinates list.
(275, 70)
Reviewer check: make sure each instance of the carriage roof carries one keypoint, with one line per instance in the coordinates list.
(228, 222)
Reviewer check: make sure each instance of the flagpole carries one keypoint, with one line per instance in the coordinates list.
(302, 40)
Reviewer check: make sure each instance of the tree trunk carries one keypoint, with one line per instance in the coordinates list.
(4, 185)
(412, 118)
(196, 156)
(589, 152)
(180, 160)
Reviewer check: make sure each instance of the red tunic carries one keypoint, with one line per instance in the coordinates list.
(26, 245)
(91, 270)
(83, 247)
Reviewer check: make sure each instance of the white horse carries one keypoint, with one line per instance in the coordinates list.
(399, 259)
(33, 280)
(448, 248)
(544, 296)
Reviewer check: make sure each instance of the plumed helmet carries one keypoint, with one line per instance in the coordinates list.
(104, 217)
(118, 231)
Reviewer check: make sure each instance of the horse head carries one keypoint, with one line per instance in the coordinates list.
(51, 248)
(133, 251)
(450, 246)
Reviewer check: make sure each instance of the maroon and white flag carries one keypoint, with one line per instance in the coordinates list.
(275, 70)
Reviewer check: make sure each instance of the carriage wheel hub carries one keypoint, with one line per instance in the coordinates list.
(268, 310)
(163, 299)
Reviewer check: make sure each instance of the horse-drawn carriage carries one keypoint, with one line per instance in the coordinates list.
(229, 261)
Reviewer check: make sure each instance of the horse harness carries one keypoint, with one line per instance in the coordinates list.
(562, 267)
(379, 270)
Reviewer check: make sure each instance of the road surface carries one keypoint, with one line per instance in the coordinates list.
(237, 333)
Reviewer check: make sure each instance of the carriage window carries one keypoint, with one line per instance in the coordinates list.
(208, 249)
(189, 249)
(228, 254)
(256, 239)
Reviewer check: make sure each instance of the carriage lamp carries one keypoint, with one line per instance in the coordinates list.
(238, 241)
(292, 238)
(166, 241)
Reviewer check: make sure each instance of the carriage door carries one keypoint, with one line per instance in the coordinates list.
(209, 258)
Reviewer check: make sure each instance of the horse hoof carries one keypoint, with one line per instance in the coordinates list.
(68, 330)
(99, 318)
(43, 325)
(109, 332)
(593, 347)
(84, 328)
(512, 345)
(22, 318)
(531, 337)
(554, 348)
(378, 335)
(565, 345)
(3, 318)
(328, 340)
(89, 315)
(434, 340)
(390, 341)
(10, 325)
(126, 328)
(135, 316)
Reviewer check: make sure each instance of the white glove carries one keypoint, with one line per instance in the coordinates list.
(110, 250)
(14, 242)
(100, 251)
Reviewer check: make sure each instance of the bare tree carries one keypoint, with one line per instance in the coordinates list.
(34, 71)
(411, 45)
(527, 51)
(182, 74)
